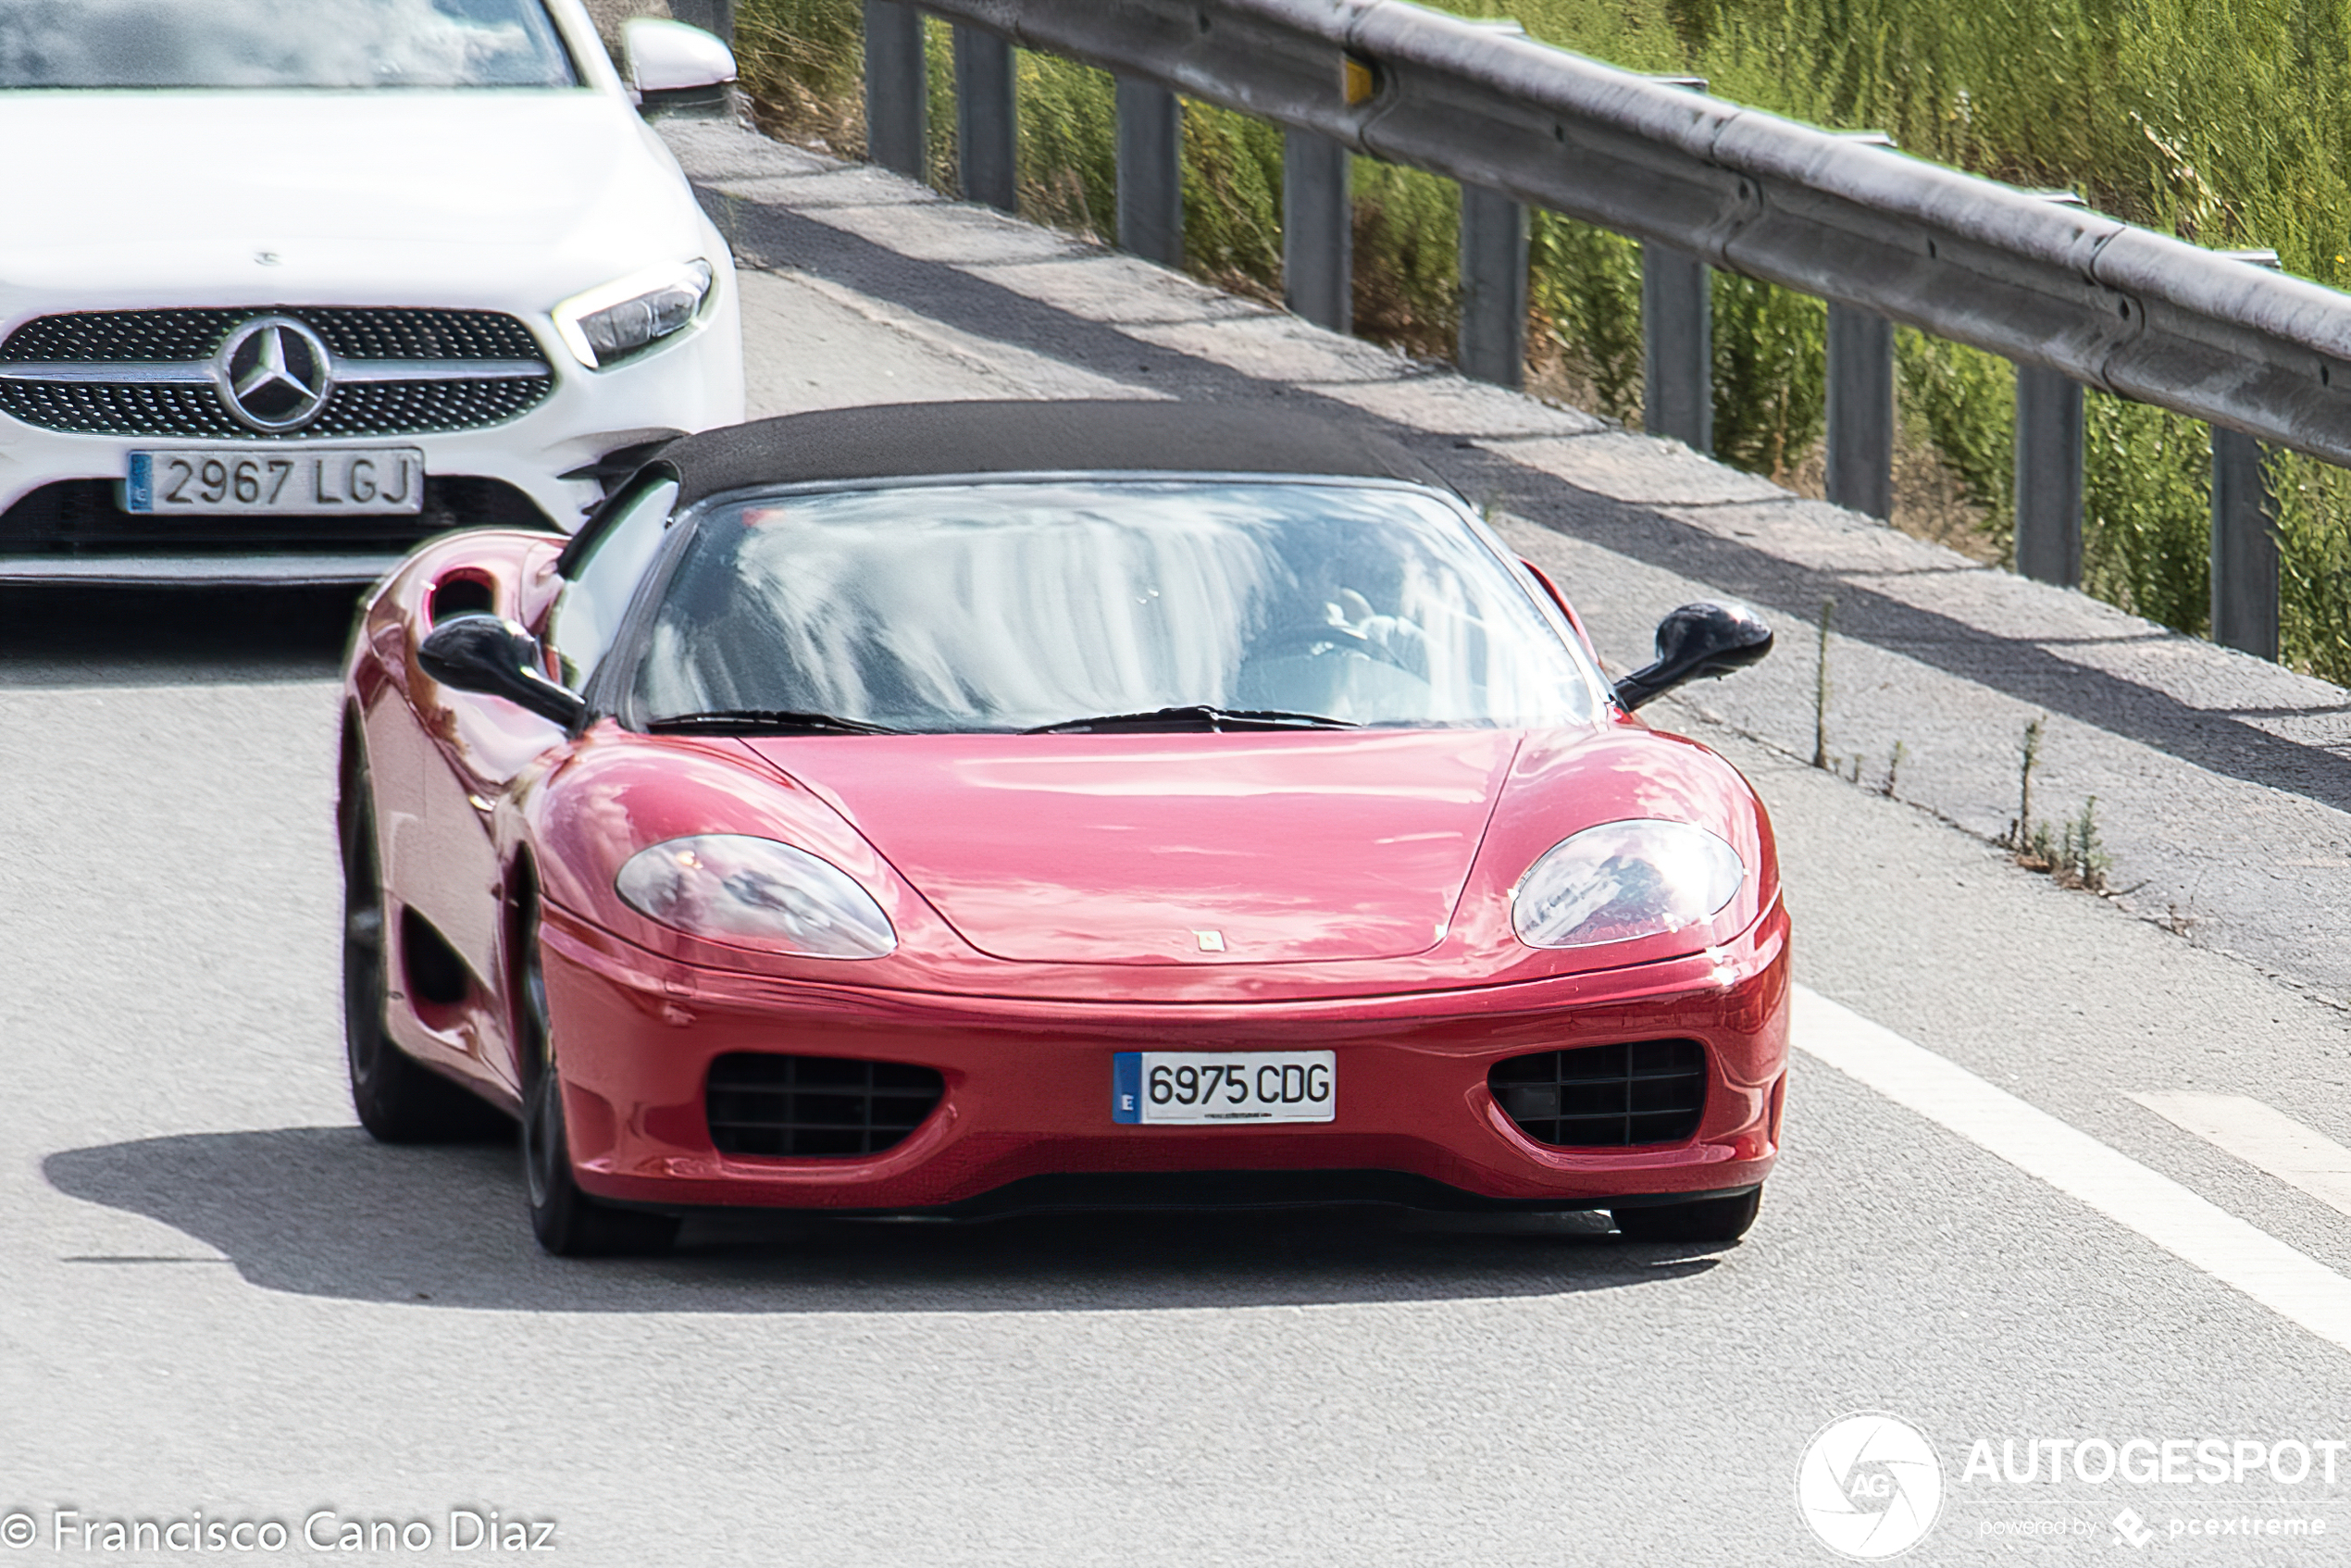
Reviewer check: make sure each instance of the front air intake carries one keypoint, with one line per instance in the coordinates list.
(1605, 1096)
(156, 373)
(795, 1107)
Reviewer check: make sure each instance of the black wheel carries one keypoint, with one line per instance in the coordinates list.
(567, 1222)
(398, 1099)
(1710, 1219)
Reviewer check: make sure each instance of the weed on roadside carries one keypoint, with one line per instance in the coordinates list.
(2070, 853)
(2081, 861)
(1892, 770)
(2019, 836)
(1821, 691)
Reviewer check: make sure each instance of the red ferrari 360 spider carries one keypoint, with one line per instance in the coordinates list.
(960, 809)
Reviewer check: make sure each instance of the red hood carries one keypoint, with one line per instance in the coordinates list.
(1093, 848)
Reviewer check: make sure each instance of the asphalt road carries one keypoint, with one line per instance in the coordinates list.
(222, 1300)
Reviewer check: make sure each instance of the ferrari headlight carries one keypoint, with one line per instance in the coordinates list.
(729, 885)
(611, 323)
(1624, 880)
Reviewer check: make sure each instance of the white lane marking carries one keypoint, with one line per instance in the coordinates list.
(2264, 1137)
(2289, 1283)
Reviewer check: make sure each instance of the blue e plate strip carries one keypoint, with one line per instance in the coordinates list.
(138, 490)
(1126, 1087)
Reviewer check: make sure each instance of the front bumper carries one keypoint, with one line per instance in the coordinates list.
(693, 382)
(1027, 1103)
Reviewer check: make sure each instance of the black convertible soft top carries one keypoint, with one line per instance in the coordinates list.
(929, 439)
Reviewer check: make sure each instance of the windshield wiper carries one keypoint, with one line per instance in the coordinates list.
(766, 721)
(1194, 716)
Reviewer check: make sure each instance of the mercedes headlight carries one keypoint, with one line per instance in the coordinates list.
(732, 885)
(609, 324)
(1624, 880)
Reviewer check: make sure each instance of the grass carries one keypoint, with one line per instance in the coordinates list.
(2218, 120)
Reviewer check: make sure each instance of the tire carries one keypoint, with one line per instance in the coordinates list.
(1709, 1219)
(567, 1222)
(399, 1099)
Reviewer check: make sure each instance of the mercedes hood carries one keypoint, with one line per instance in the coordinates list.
(483, 198)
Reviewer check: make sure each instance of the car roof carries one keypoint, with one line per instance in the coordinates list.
(913, 440)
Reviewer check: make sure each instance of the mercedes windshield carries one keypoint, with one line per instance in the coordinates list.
(281, 44)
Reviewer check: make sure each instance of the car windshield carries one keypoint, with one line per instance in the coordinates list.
(274, 44)
(1026, 605)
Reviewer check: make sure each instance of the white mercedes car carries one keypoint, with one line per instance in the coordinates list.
(289, 285)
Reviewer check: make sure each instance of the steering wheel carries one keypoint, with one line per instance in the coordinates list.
(1311, 641)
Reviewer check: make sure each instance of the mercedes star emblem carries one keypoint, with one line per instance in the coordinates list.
(274, 374)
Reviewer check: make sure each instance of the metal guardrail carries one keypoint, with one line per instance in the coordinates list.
(2073, 297)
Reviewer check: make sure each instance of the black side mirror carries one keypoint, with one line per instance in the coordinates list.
(497, 657)
(1697, 643)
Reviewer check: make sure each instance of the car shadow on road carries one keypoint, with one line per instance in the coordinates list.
(328, 1211)
(75, 636)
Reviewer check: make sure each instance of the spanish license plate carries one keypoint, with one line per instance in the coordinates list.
(1209, 1085)
(238, 481)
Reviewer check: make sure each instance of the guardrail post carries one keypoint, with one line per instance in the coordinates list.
(897, 89)
(2048, 475)
(1494, 245)
(1860, 411)
(986, 119)
(1151, 172)
(1318, 229)
(2049, 466)
(1677, 346)
(2245, 551)
(1677, 334)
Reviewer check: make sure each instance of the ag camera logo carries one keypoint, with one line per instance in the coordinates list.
(1869, 1485)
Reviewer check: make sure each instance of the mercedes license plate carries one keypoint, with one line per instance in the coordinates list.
(1213, 1086)
(216, 481)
